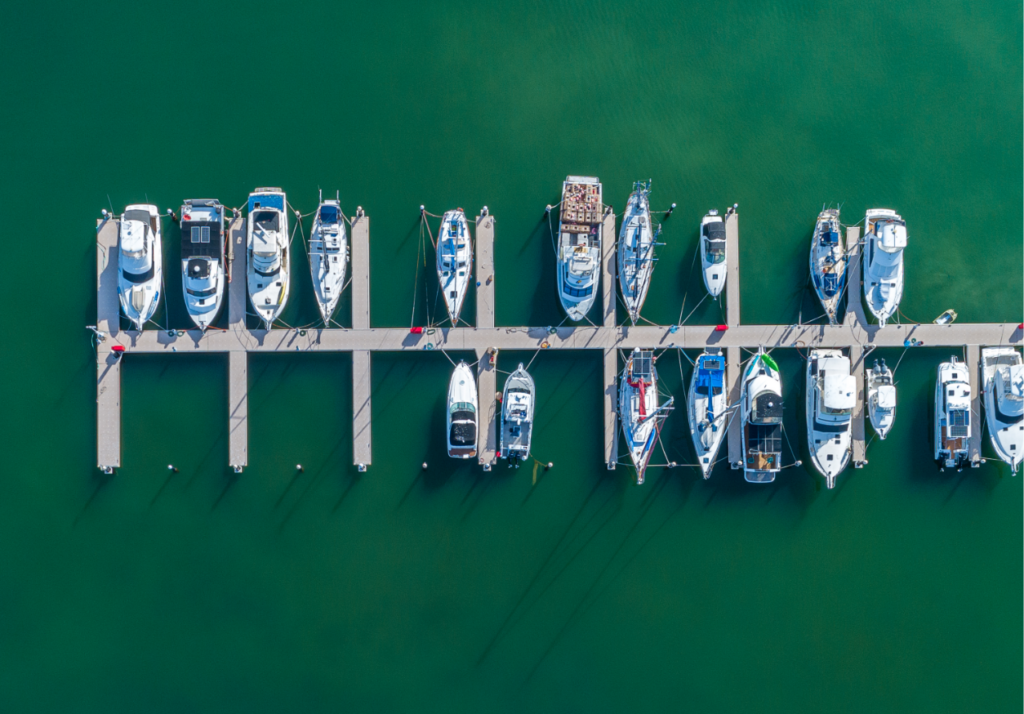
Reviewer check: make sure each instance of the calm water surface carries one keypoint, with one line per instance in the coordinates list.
(454, 590)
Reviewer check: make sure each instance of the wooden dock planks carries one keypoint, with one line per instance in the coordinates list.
(361, 409)
(485, 272)
(238, 410)
(977, 423)
(609, 257)
(360, 271)
(732, 281)
(733, 371)
(859, 456)
(487, 439)
(611, 407)
(108, 363)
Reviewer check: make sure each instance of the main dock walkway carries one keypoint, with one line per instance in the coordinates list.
(362, 340)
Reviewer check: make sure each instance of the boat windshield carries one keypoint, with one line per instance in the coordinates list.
(202, 293)
(462, 410)
(715, 251)
(138, 277)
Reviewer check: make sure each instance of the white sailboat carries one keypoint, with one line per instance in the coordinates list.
(828, 262)
(761, 413)
(269, 265)
(579, 245)
(636, 250)
(328, 255)
(881, 398)
(462, 418)
(203, 259)
(952, 429)
(713, 255)
(831, 395)
(707, 407)
(884, 241)
(638, 408)
(454, 261)
(517, 405)
(1003, 380)
(140, 263)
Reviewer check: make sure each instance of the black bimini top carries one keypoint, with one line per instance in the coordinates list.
(463, 433)
(715, 231)
(201, 239)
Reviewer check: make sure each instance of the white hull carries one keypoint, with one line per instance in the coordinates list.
(636, 253)
(269, 254)
(328, 257)
(713, 255)
(953, 422)
(1003, 417)
(637, 409)
(881, 400)
(578, 257)
(707, 409)
(454, 261)
(829, 384)
(828, 262)
(882, 260)
(140, 263)
(517, 405)
(761, 410)
(463, 420)
(203, 275)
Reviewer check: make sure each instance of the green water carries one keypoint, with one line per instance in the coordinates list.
(454, 590)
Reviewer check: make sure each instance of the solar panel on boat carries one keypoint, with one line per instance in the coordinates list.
(642, 364)
(958, 423)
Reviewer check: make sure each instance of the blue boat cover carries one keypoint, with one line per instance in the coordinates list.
(328, 214)
(831, 284)
(266, 200)
(830, 237)
(708, 379)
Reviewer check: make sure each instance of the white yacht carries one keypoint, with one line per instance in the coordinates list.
(269, 265)
(140, 263)
(881, 398)
(638, 408)
(831, 395)
(1003, 380)
(712, 252)
(462, 416)
(761, 412)
(636, 250)
(328, 255)
(203, 259)
(828, 262)
(707, 407)
(884, 240)
(579, 245)
(454, 261)
(952, 432)
(517, 404)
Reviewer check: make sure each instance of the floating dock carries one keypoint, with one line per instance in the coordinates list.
(854, 334)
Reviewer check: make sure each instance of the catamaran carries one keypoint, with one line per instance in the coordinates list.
(636, 250)
(579, 245)
(328, 255)
(517, 403)
(761, 411)
(707, 407)
(638, 408)
(881, 398)
(462, 417)
(712, 252)
(1003, 380)
(828, 262)
(140, 264)
(952, 415)
(454, 260)
(831, 394)
(203, 272)
(885, 239)
(269, 264)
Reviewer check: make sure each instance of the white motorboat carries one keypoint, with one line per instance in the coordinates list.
(884, 240)
(203, 259)
(881, 398)
(269, 265)
(828, 262)
(952, 431)
(713, 255)
(462, 413)
(328, 255)
(517, 404)
(579, 245)
(707, 407)
(761, 412)
(1003, 380)
(636, 250)
(454, 261)
(140, 263)
(831, 395)
(638, 408)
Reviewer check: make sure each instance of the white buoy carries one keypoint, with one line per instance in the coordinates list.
(548, 209)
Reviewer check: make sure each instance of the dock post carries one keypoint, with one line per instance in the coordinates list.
(485, 272)
(487, 439)
(854, 305)
(611, 432)
(108, 363)
(361, 271)
(859, 456)
(608, 258)
(238, 410)
(974, 370)
(732, 281)
(361, 409)
(733, 371)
